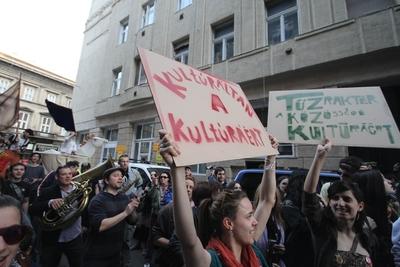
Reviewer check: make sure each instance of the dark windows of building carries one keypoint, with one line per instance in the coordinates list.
(282, 21)
(123, 31)
(184, 3)
(357, 8)
(223, 42)
(181, 51)
(140, 76)
(116, 84)
(148, 13)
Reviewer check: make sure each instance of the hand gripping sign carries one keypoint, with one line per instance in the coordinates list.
(357, 116)
(209, 118)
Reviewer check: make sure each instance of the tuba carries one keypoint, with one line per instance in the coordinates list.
(76, 201)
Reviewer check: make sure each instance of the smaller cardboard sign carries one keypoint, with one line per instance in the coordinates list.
(357, 116)
(209, 118)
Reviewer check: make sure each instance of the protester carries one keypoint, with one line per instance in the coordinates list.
(233, 185)
(19, 144)
(12, 232)
(69, 145)
(282, 183)
(233, 223)
(396, 242)
(188, 171)
(108, 212)
(16, 187)
(339, 237)
(165, 188)
(372, 185)
(34, 172)
(349, 166)
(67, 240)
(220, 176)
(132, 177)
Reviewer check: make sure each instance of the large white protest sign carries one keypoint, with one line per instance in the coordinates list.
(357, 116)
(209, 118)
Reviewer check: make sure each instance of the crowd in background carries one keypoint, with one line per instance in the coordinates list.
(174, 219)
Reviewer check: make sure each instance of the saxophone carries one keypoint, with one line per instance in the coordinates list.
(75, 203)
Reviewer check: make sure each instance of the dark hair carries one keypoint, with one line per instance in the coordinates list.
(350, 164)
(107, 173)
(123, 156)
(15, 165)
(372, 185)
(212, 213)
(29, 131)
(72, 163)
(85, 166)
(168, 174)
(8, 201)
(60, 168)
(218, 169)
(201, 191)
(36, 153)
(295, 187)
(188, 168)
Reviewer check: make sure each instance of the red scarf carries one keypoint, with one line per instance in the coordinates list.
(248, 257)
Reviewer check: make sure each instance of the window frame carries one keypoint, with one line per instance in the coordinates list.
(45, 127)
(140, 73)
(49, 98)
(181, 51)
(223, 39)
(111, 144)
(137, 153)
(181, 4)
(281, 15)
(28, 95)
(293, 148)
(117, 80)
(149, 9)
(123, 31)
(23, 123)
(4, 84)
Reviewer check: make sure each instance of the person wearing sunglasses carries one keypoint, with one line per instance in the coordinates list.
(11, 230)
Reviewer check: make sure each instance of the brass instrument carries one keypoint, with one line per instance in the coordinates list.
(76, 201)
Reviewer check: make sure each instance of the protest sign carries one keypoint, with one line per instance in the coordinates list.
(357, 116)
(210, 119)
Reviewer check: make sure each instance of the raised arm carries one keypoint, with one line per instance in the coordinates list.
(311, 182)
(193, 251)
(267, 193)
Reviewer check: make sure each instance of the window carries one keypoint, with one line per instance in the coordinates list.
(181, 52)
(286, 150)
(69, 102)
(23, 120)
(183, 3)
(140, 75)
(282, 23)
(45, 125)
(260, 107)
(110, 148)
(116, 84)
(123, 31)
(144, 141)
(223, 42)
(199, 169)
(28, 93)
(51, 97)
(357, 8)
(148, 14)
(4, 84)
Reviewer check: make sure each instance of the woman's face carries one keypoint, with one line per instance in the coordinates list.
(154, 178)
(345, 206)
(9, 216)
(283, 185)
(164, 179)
(244, 224)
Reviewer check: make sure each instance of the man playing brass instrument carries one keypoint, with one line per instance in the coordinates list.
(67, 240)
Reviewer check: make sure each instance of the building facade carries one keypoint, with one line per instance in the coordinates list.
(37, 85)
(261, 45)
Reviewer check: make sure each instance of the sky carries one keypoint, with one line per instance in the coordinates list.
(45, 33)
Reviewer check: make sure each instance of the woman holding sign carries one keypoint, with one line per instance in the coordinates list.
(339, 237)
(232, 224)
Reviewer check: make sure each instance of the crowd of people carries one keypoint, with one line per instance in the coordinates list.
(175, 220)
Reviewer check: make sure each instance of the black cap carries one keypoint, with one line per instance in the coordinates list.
(108, 172)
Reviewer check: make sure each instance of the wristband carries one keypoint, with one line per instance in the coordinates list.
(269, 164)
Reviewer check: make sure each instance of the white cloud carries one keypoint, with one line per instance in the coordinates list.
(46, 33)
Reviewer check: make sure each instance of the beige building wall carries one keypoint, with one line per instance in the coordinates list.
(337, 45)
(37, 85)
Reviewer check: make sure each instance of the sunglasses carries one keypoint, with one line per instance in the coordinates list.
(14, 233)
(165, 177)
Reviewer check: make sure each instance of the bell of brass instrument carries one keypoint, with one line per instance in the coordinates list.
(76, 201)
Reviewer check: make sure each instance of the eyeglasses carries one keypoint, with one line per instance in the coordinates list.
(14, 233)
(165, 177)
